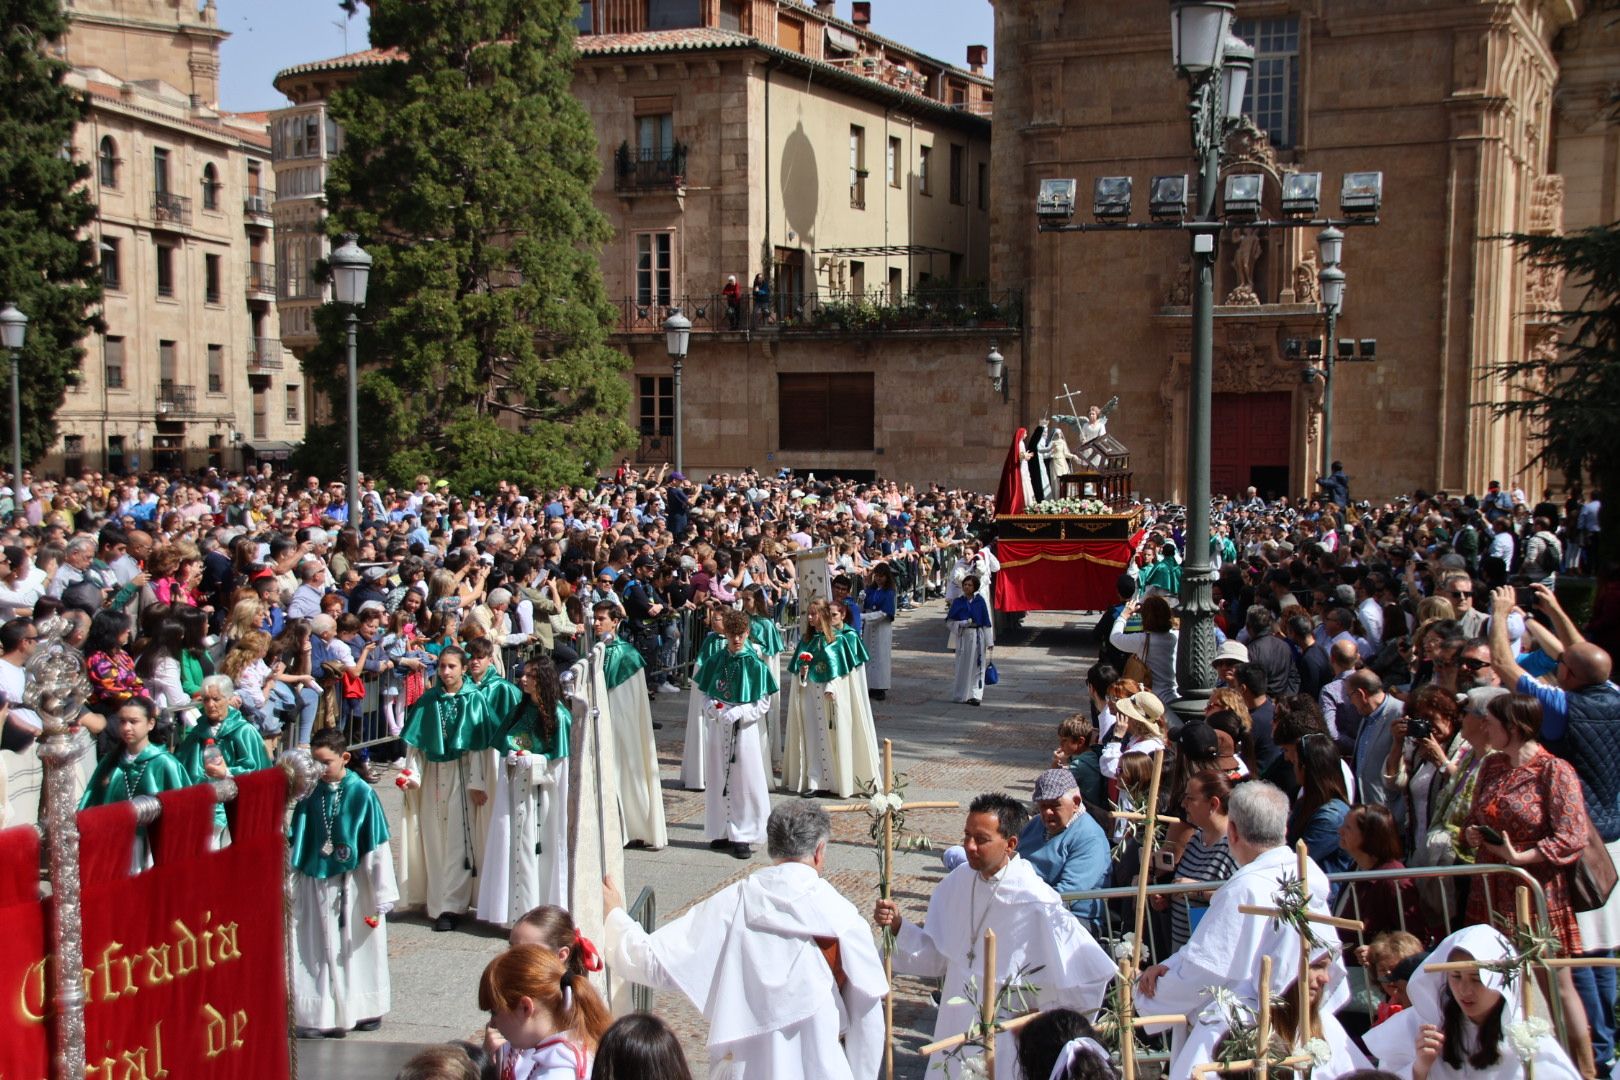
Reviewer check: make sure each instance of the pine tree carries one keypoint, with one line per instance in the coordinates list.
(467, 173)
(46, 257)
(1571, 395)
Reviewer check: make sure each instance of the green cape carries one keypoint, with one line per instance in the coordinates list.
(358, 826)
(522, 731)
(764, 633)
(713, 645)
(737, 678)
(154, 770)
(828, 660)
(445, 726)
(620, 662)
(237, 739)
(501, 695)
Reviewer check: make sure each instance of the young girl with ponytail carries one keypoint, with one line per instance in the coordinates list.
(551, 1018)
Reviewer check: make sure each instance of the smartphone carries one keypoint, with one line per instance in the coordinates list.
(1164, 860)
(1491, 835)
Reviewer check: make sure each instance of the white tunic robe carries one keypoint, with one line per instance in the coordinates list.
(438, 833)
(748, 959)
(641, 790)
(340, 964)
(973, 645)
(1033, 929)
(738, 799)
(525, 860)
(693, 752)
(831, 738)
(1225, 950)
(877, 629)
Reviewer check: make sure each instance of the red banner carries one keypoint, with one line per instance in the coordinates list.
(184, 963)
(1059, 575)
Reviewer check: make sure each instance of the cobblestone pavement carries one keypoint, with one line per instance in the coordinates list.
(946, 751)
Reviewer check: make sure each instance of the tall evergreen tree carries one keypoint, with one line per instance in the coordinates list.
(467, 173)
(47, 266)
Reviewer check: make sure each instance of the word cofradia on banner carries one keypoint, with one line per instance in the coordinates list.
(184, 962)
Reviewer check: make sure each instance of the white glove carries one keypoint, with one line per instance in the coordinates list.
(384, 909)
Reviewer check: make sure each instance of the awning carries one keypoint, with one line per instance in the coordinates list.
(842, 40)
(270, 450)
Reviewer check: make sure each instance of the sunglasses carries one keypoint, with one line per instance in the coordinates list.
(1473, 663)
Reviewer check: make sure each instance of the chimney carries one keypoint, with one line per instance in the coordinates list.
(977, 57)
(861, 13)
(825, 7)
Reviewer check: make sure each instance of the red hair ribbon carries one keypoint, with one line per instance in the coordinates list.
(588, 956)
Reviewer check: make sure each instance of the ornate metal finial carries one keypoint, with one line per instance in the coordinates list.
(303, 773)
(57, 686)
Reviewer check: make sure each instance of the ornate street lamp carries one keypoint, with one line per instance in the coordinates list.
(677, 339)
(13, 333)
(351, 272)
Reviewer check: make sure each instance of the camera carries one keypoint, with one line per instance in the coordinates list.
(1419, 727)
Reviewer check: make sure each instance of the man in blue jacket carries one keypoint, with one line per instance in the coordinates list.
(1065, 846)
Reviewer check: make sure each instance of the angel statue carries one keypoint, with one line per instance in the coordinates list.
(1096, 420)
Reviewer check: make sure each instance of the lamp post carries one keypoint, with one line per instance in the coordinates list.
(1216, 66)
(351, 271)
(677, 338)
(1330, 245)
(13, 332)
(994, 362)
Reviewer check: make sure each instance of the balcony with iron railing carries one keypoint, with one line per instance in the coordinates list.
(261, 280)
(171, 209)
(264, 354)
(256, 206)
(833, 314)
(175, 398)
(649, 169)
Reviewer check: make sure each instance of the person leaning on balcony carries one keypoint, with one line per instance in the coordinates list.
(762, 299)
(733, 295)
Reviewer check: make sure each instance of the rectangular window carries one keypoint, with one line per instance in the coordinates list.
(165, 270)
(1272, 99)
(655, 410)
(167, 368)
(655, 137)
(334, 138)
(584, 22)
(958, 174)
(826, 411)
(674, 14)
(895, 158)
(72, 455)
(984, 186)
(731, 16)
(654, 263)
(292, 404)
(160, 170)
(216, 369)
(112, 362)
(789, 34)
(857, 167)
(211, 288)
(923, 154)
(111, 270)
(857, 277)
(115, 454)
(261, 406)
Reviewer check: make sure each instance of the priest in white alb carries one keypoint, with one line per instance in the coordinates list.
(1226, 947)
(783, 968)
(996, 890)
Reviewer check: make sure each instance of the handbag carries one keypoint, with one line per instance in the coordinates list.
(1591, 877)
(354, 688)
(990, 675)
(1136, 666)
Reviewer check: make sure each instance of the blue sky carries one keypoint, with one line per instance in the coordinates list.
(268, 35)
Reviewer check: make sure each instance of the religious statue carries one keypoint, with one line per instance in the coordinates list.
(1059, 461)
(1305, 283)
(1245, 254)
(1179, 294)
(1095, 423)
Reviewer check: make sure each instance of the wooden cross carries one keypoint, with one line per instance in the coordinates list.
(886, 880)
(1261, 1065)
(1069, 396)
(987, 1027)
(1129, 1022)
(1305, 1033)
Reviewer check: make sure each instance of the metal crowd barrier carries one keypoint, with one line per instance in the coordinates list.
(1118, 918)
(644, 910)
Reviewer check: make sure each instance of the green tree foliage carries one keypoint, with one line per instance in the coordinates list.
(467, 174)
(46, 256)
(1571, 396)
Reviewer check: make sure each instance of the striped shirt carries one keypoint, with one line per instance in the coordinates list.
(1202, 862)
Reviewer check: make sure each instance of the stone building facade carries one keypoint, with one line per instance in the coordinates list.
(767, 138)
(189, 372)
(1483, 117)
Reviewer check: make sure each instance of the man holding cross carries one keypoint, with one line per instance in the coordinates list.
(780, 963)
(1227, 945)
(996, 890)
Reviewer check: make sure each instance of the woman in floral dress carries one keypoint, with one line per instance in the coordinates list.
(1533, 800)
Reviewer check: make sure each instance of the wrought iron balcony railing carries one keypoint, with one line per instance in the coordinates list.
(175, 398)
(171, 208)
(264, 354)
(871, 312)
(652, 169)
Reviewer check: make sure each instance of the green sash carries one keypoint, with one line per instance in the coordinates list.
(737, 678)
(358, 825)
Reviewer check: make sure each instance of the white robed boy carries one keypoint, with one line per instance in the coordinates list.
(996, 890)
(781, 965)
(628, 716)
(737, 688)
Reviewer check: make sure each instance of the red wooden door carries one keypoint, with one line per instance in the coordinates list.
(1249, 438)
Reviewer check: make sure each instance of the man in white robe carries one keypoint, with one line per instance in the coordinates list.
(996, 890)
(781, 964)
(629, 718)
(1226, 947)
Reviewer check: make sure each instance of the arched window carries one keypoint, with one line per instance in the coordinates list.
(210, 184)
(107, 162)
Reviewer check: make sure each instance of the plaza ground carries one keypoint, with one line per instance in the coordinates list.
(945, 751)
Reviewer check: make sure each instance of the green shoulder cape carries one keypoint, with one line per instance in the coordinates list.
(501, 695)
(828, 660)
(358, 825)
(154, 770)
(713, 645)
(853, 648)
(444, 726)
(237, 739)
(620, 662)
(737, 678)
(522, 731)
(764, 633)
